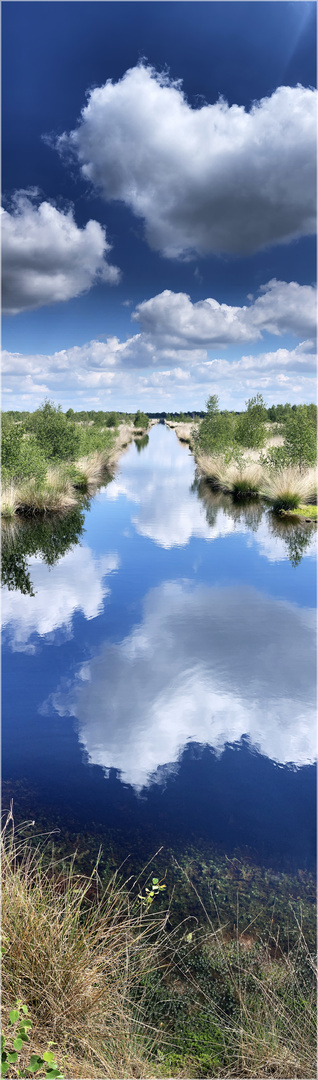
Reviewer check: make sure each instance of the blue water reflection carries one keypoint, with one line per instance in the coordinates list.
(162, 676)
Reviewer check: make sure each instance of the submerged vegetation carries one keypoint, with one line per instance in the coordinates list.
(49, 457)
(117, 986)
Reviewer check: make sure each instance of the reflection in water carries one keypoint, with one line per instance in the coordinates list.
(47, 537)
(141, 443)
(277, 536)
(191, 664)
(206, 664)
(76, 582)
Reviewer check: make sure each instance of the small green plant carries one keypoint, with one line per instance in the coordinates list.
(22, 1025)
(150, 894)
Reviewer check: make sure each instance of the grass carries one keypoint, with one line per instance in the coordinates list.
(305, 511)
(61, 488)
(72, 955)
(243, 479)
(286, 488)
(119, 993)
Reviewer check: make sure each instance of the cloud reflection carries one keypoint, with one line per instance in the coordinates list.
(75, 583)
(173, 506)
(205, 664)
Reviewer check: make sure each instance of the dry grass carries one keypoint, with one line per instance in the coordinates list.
(72, 955)
(91, 468)
(54, 496)
(9, 500)
(183, 431)
(288, 487)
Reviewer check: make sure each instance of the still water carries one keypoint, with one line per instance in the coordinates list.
(159, 666)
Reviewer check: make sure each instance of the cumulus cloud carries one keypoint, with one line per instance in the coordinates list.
(217, 178)
(171, 355)
(75, 583)
(46, 257)
(209, 664)
(122, 374)
(281, 308)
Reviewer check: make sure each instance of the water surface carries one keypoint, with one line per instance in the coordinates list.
(159, 665)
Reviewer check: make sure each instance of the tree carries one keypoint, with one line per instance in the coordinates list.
(216, 433)
(251, 430)
(58, 437)
(301, 438)
(141, 420)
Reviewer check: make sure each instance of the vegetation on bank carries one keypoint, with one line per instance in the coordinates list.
(249, 457)
(115, 987)
(49, 458)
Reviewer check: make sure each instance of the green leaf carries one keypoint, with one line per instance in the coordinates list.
(2, 1042)
(4, 1069)
(36, 1060)
(48, 1056)
(24, 1008)
(155, 881)
(14, 1016)
(54, 1074)
(26, 1024)
(18, 1042)
(12, 1057)
(3, 1056)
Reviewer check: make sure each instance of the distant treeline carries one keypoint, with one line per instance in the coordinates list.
(275, 413)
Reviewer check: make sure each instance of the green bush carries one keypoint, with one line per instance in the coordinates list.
(250, 428)
(141, 420)
(217, 431)
(57, 436)
(301, 438)
(21, 455)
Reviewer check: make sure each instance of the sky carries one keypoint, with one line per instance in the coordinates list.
(158, 210)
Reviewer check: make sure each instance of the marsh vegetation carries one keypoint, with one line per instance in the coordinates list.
(119, 985)
(259, 453)
(49, 458)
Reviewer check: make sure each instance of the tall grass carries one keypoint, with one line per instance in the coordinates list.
(242, 479)
(121, 994)
(72, 954)
(288, 487)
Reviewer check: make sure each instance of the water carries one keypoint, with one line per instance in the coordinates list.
(159, 667)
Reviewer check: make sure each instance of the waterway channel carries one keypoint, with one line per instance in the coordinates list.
(159, 669)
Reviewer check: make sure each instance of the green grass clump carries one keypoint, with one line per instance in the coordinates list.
(308, 511)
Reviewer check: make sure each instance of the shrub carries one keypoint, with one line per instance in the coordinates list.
(301, 438)
(141, 420)
(250, 428)
(57, 436)
(217, 430)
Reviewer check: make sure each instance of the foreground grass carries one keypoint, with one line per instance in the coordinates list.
(285, 488)
(118, 992)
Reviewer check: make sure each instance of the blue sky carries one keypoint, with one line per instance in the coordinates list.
(158, 203)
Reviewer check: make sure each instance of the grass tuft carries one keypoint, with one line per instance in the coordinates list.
(288, 487)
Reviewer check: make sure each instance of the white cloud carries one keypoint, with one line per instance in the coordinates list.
(46, 258)
(282, 308)
(208, 664)
(212, 179)
(75, 583)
